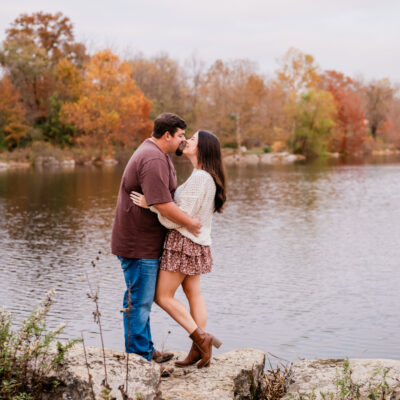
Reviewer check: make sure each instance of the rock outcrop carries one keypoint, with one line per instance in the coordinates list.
(322, 376)
(144, 376)
(232, 375)
(266, 159)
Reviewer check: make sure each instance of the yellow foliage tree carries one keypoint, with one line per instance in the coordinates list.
(298, 71)
(111, 110)
(68, 80)
(12, 115)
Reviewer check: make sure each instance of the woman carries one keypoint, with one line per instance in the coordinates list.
(185, 256)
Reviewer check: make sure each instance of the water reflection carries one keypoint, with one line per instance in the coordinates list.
(306, 257)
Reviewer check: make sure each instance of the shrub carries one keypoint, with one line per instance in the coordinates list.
(28, 355)
(229, 145)
(267, 149)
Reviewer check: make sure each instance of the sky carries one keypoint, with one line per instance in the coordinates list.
(357, 37)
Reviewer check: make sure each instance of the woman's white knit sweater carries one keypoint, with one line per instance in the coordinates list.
(196, 197)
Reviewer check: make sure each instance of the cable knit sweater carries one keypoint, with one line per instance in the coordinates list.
(196, 197)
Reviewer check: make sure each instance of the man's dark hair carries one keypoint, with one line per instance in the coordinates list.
(167, 122)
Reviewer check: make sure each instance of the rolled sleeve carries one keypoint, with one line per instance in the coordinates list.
(154, 181)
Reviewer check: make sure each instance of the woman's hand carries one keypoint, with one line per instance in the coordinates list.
(138, 199)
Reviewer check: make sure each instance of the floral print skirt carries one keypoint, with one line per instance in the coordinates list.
(182, 255)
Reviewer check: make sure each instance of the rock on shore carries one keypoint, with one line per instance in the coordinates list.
(231, 375)
(318, 376)
(144, 377)
(266, 159)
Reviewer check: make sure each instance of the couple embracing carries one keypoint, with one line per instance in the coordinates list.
(162, 235)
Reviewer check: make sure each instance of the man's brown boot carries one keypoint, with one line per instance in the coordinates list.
(160, 357)
(204, 342)
(193, 356)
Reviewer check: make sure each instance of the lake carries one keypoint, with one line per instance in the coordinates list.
(306, 258)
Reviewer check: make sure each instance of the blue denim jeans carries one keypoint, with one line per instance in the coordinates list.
(141, 276)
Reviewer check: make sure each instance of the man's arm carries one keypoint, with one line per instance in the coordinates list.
(172, 212)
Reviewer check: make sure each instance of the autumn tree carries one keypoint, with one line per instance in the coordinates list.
(194, 69)
(378, 97)
(162, 81)
(389, 131)
(298, 71)
(230, 97)
(27, 66)
(278, 124)
(111, 109)
(12, 115)
(67, 87)
(313, 116)
(34, 45)
(350, 131)
(51, 32)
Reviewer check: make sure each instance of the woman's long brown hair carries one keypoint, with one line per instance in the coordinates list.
(210, 159)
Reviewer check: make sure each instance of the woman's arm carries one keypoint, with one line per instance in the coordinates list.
(169, 212)
(190, 200)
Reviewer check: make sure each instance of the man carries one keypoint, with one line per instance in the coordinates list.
(138, 237)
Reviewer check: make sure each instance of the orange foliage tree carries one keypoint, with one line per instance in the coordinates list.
(350, 131)
(12, 115)
(111, 109)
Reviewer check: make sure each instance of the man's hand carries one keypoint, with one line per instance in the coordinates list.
(172, 212)
(195, 227)
(138, 199)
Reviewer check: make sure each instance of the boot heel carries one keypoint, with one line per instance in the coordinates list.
(216, 343)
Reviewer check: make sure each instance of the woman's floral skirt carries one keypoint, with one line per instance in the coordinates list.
(182, 255)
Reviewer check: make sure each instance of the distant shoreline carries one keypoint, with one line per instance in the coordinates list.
(66, 159)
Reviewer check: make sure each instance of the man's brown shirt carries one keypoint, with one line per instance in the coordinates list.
(137, 232)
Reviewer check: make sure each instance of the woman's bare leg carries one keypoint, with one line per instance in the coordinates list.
(167, 284)
(198, 309)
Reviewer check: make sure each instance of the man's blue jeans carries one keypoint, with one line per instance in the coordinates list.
(141, 276)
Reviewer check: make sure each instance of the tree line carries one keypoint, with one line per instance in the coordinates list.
(53, 90)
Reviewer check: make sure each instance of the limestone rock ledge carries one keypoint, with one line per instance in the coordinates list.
(144, 376)
(232, 375)
(319, 376)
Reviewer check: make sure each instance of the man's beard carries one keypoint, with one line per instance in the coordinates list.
(179, 150)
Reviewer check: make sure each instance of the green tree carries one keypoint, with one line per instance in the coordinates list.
(313, 115)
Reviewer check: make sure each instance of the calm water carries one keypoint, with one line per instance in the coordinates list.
(307, 258)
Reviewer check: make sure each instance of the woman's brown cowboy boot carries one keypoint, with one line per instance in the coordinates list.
(204, 342)
(193, 356)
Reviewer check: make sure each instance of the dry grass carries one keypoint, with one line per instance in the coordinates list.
(272, 385)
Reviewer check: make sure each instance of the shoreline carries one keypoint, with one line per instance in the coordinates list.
(237, 374)
(230, 158)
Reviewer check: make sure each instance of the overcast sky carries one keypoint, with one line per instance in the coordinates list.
(351, 36)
